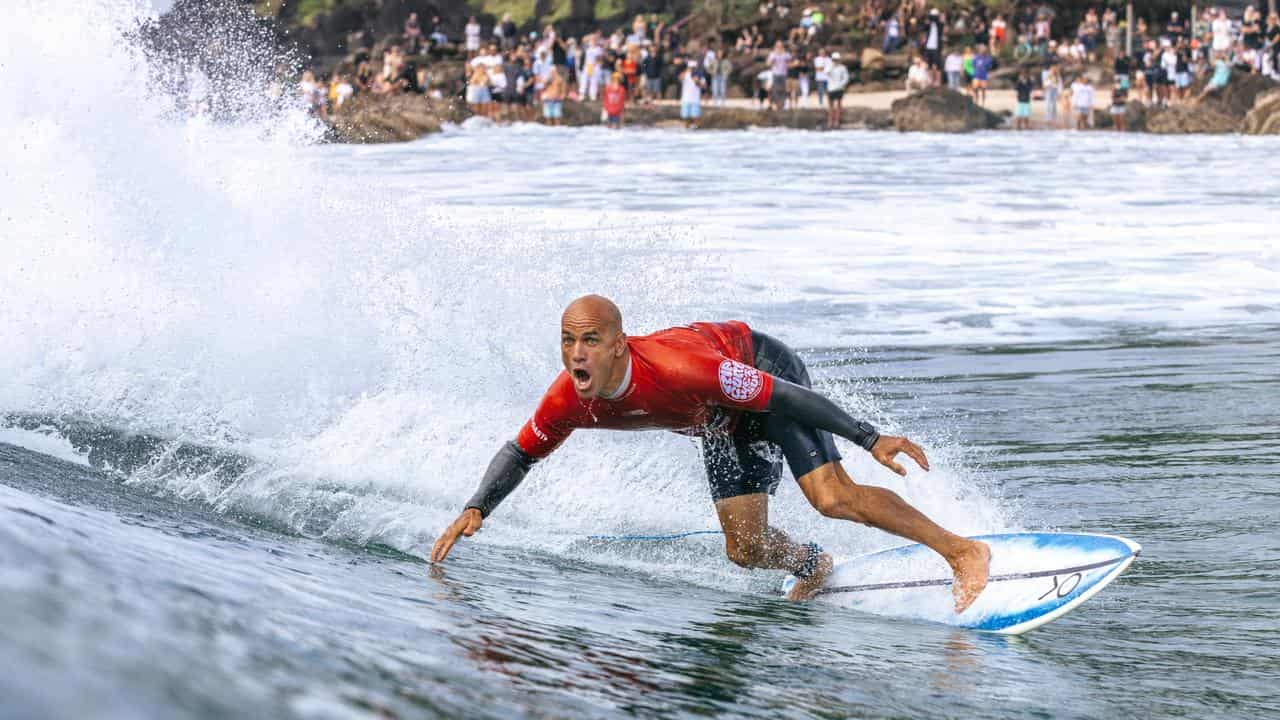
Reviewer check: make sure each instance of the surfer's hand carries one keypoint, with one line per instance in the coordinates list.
(888, 447)
(466, 524)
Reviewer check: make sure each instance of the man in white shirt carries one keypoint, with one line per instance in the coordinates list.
(820, 66)
(837, 79)
(1082, 102)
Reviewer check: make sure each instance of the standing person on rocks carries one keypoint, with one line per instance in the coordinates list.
(1082, 102)
(478, 96)
(966, 69)
(821, 64)
(934, 35)
(651, 68)
(779, 62)
(1119, 105)
(892, 31)
(553, 96)
(614, 101)
(1051, 81)
(690, 95)
(837, 80)
(724, 69)
(749, 397)
(590, 79)
(982, 64)
(1022, 111)
(472, 34)
(954, 68)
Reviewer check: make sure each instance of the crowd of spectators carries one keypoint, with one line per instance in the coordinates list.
(514, 76)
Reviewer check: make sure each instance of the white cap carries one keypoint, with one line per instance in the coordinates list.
(835, 56)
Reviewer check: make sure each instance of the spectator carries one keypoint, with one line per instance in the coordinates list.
(982, 65)
(1022, 111)
(892, 31)
(651, 68)
(313, 95)
(821, 64)
(1082, 102)
(478, 95)
(553, 96)
(1121, 69)
(1119, 104)
(1051, 81)
(720, 80)
(506, 32)
(1221, 29)
(472, 34)
(954, 67)
(779, 63)
(933, 45)
(614, 101)
(804, 74)
(999, 32)
(691, 87)
(413, 38)
(837, 80)
(917, 75)
(437, 35)
(1221, 76)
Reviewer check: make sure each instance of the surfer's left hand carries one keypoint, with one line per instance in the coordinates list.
(888, 447)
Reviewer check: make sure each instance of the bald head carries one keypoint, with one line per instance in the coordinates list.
(593, 346)
(594, 310)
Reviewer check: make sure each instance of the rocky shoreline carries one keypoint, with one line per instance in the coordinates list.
(1250, 106)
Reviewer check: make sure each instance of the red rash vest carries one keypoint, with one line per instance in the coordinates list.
(679, 377)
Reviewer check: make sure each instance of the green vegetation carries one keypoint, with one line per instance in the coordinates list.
(305, 11)
(521, 11)
(609, 8)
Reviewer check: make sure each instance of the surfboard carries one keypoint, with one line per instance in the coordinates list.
(1035, 578)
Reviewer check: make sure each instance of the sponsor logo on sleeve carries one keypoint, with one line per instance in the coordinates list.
(739, 382)
(538, 431)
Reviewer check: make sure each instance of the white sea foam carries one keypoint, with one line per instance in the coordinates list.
(372, 322)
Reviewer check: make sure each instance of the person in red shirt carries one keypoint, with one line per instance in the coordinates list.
(614, 99)
(735, 388)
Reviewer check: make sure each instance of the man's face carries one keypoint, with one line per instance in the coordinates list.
(591, 348)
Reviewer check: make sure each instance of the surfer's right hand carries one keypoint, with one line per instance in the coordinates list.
(467, 524)
(888, 447)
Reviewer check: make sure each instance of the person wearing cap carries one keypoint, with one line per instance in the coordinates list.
(837, 79)
(933, 39)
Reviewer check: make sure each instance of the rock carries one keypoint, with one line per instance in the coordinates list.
(1264, 118)
(941, 110)
(392, 118)
(1198, 118)
(872, 59)
(1135, 116)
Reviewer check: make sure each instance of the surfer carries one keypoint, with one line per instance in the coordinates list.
(747, 396)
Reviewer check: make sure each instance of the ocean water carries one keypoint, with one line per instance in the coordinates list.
(248, 378)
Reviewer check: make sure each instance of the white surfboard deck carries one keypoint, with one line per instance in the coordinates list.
(1035, 578)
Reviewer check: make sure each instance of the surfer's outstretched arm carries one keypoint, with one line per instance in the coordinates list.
(506, 472)
(810, 408)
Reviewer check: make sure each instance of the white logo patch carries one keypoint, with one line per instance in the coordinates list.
(738, 381)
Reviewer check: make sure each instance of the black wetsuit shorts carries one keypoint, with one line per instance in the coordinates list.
(749, 460)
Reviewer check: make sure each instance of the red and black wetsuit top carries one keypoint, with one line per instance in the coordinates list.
(690, 380)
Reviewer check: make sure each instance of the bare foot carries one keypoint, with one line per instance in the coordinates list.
(806, 587)
(971, 567)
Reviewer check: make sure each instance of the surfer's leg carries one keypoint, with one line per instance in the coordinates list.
(834, 494)
(744, 470)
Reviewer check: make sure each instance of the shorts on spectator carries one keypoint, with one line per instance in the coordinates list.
(933, 58)
(1183, 80)
(478, 95)
(653, 85)
(690, 110)
(836, 95)
(1022, 110)
(553, 109)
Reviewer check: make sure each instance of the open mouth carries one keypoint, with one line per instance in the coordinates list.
(582, 377)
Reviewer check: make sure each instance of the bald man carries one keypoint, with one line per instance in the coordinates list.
(748, 397)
